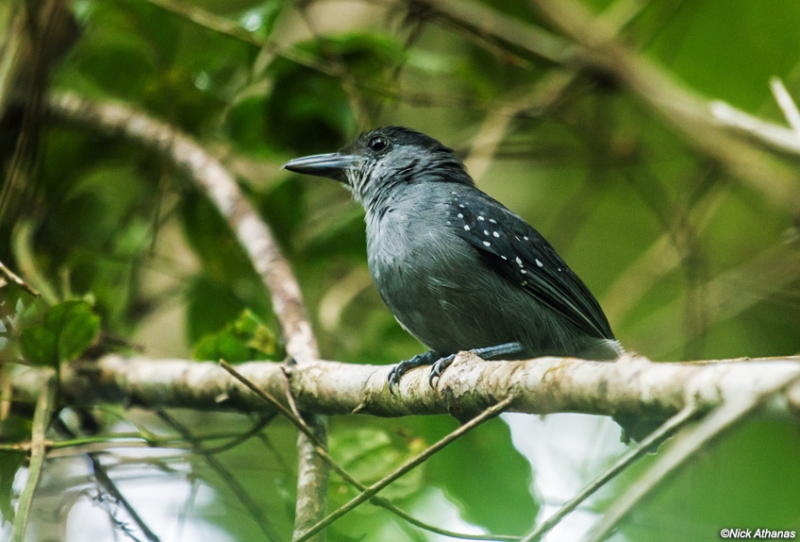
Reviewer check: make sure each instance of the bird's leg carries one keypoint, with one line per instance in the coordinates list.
(406, 365)
(486, 352)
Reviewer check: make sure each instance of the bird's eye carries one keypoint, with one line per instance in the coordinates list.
(378, 143)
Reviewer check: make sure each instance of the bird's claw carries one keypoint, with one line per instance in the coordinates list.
(394, 377)
(404, 366)
(440, 364)
(439, 367)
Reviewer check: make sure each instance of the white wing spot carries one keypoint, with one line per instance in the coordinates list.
(504, 257)
(487, 243)
(539, 263)
(526, 238)
(523, 271)
(449, 223)
(485, 232)
(480, 217)
(559, 269)
(460, 215)
(493, 221)
(524, 282)
(466, 228)
(495, 234)
(460, 205)
(519, 262)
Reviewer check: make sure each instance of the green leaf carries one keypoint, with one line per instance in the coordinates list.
(483, 474)
(368, 454)
(65, 332)
(247, 338)
(9, 464)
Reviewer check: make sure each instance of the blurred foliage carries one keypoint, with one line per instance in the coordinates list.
(688, 262)
(62, 333)
(246, 338)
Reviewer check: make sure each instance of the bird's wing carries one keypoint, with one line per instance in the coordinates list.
(520, 254)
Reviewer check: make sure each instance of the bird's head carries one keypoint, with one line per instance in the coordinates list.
(381, 161)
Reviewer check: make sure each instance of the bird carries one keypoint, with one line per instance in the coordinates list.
(457, 268)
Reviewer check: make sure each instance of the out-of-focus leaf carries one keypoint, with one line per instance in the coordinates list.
(304, 102)
(66, 331)
(368, 453)
(210, 236)
(747, 481)
(9, 464)
(13, 303)
(283, 206)
(247, 338)
(483, 474)
(228, 284)
(211, 305)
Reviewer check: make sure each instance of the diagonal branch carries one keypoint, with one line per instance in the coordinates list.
(412, 463)
(253, 234)
(226, 476)
(663, 432)
(591, 42)
(723, 419)
(687, 112)
(297, 421)
(41, 421)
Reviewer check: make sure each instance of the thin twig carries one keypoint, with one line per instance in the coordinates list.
(9, 274)
(686, 111)
(777, 137)
(547, 91)
(226, 27)
(254, 235)
(377, 501)
(102, 477)
(255, 430)
(41, 421)
(183, 515)
(226, 476)
(669, 427)
(296, 420)
(406, 467)
(723, 418)
(786, 104)
(287, 389)
(108, 485)
(22, 246)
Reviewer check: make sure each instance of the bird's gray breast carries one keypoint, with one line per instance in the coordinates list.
(411, 256)
(425, 273)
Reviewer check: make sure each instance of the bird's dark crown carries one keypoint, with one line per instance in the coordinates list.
(393, 157)
(397, 135)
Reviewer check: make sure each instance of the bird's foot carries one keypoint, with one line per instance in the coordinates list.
(439, 367)
(440, 364)
(406, 365)
(486, 352)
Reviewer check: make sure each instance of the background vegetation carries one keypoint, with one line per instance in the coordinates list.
(687, 234)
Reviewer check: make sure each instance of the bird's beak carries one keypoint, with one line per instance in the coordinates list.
(332, 165)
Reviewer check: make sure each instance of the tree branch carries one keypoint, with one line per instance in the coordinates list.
(594, 45)
(253, 234)
(45, 404)
(687, 112)
(633, 385)
(722, 419)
